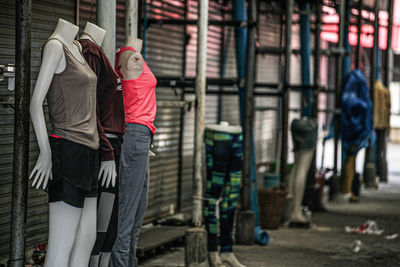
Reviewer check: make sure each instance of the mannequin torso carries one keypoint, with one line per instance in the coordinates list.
(108, 171)
(53, 61)
(131, 63)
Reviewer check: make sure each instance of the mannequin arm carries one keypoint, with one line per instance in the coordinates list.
(107, 170)
(52, 56)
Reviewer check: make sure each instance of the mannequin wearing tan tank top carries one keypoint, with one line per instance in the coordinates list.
(72, 231)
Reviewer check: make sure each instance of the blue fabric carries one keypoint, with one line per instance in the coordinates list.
(356, 120)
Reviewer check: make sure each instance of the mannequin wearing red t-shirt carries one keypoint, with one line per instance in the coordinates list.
(138, 88)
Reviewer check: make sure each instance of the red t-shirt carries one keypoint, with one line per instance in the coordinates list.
(139, 95)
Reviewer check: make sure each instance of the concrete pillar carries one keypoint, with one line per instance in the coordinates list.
(106, 19)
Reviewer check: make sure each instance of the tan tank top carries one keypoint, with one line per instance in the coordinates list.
(72, 102)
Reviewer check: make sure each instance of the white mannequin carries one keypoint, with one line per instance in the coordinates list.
(226, 258)
(107, 168)
(297, 183)
(130, 63)
(72, 231)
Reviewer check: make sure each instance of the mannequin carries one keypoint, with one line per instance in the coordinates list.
(71, 228)
(111, 127)
(223, 158)
(138, 87)
(304, 133)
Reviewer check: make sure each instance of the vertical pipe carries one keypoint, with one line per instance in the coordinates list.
(317, 55)
(131, 18)
(286, 82)
(222, 60)
(106, 19)
(77, 8)
(369, 166)
(389, 51)
(182, 115)
(358, 50)
(239, 13)
(144, 36)
(339, 81)
(374, 55)
(347, 48)
(306, 96)
(316, 81)
(21, 132)
(249, 106)
(201, 65)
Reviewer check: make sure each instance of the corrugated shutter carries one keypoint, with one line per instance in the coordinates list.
(7, 52)
(45, 15)
(165, 59)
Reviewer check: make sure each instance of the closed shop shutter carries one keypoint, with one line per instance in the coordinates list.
(45, 14)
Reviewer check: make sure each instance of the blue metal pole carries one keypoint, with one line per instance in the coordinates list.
(306, 95)
(347, 58)
(239, 13)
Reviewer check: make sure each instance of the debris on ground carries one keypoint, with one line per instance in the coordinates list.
(392, 237)
(369, 227)
(356, 246)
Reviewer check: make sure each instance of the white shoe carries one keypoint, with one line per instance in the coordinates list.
(214, 259)
(230, 260)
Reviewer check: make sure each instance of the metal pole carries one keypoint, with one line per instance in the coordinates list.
(182, 115)
(358, 50)
(389, 52)
(131, 18)
(249, 107)
(369, 169)
(200, 110)
(317, 55)
(306, 96)
(339, 81)
(286, 81)
(106, 19)
(21, 133)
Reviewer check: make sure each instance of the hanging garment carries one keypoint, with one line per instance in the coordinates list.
(382, 106)
(224, 163)
(72, 102)
(139, 95)
(110, 104)
(356, 122)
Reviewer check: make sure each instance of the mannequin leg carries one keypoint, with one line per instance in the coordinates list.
(291, 189)
(86, 235)
(104, 211)
(304, 160)
(215, 185)
(133, 170)
(231, 195)
(63, 226)
(138, 221)
(349, 171)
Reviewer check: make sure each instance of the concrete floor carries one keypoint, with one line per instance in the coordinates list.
(327, 243)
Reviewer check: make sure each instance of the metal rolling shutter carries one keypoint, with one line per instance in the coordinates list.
(7, 52)
(164, 54)
(45, 15)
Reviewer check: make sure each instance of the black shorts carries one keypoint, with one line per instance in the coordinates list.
(75, 169)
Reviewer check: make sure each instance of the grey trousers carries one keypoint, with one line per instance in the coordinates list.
(133, 191)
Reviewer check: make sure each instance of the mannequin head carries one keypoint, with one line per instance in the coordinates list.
(65, 30)
(94, 33)
(134, 43)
